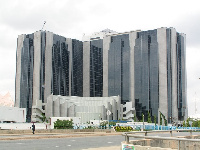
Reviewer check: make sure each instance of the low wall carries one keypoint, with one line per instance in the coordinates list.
(23, 126)
(184, 145)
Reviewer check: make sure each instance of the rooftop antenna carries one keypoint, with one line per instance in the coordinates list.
(43, 25)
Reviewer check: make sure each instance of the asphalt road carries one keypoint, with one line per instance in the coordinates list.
(71, 143)
(77, 143)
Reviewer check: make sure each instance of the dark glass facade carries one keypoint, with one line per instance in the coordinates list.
(96, 68)
(146, 74)
(77, 68)
(181, 77)
(119, 67)
(60, 65)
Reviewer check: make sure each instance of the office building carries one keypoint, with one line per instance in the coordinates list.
(145, 68)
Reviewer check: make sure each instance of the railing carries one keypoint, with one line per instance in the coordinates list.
(131, 134)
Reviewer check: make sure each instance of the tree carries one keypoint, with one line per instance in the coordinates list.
(112, 123)
(149, 118)
(187, 122)
(104, 123)
(134, 118)
(63, 124)
(142, 117)
(160, 119)
(155, 119)
(184, 125)
(43, 118)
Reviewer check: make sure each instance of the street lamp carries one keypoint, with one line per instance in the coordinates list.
(99, 120)
(143, 121)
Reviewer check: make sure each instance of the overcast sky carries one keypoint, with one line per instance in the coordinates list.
(73, 18)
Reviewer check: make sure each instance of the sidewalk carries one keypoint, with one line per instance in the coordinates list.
(105, 148)
(52, 135)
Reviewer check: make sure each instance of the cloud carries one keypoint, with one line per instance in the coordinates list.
(190, 25)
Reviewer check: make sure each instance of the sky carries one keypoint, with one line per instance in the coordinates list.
(73, 18)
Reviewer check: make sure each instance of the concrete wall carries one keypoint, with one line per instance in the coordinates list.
(20, 126)
(155, 144)
(12, 114)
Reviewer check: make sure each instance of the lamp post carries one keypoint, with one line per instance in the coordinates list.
(143, 121)
(99, 121)
(108, 114)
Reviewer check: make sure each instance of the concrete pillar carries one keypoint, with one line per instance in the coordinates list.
(86, 70)
(49, 107)
(63, 109)
(132, 37)
(106, 47)
(174, 75)
(56, 106)
(20, 41)
(48, 65)
(162, 52)
(37, 63)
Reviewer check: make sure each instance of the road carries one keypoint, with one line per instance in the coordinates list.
(69, 143)
(78, 143)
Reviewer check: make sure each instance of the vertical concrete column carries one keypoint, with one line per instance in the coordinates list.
(56, 106)
(71, 111)
(114, 109)
(69, 43)
(109, 107)
(103, 112)
(174, 75)
(20, 41)
(106, 47)
(86, 70)
(36, 70)
(162, 52)
(63, 109)
(132, 37)
(48, 65)
(49, 107)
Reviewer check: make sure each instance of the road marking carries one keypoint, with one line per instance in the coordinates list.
(57, 146)
(20, 143)
(68, 145)
(73, 140)
(110, 142)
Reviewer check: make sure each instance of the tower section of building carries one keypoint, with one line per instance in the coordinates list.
(44, 67)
